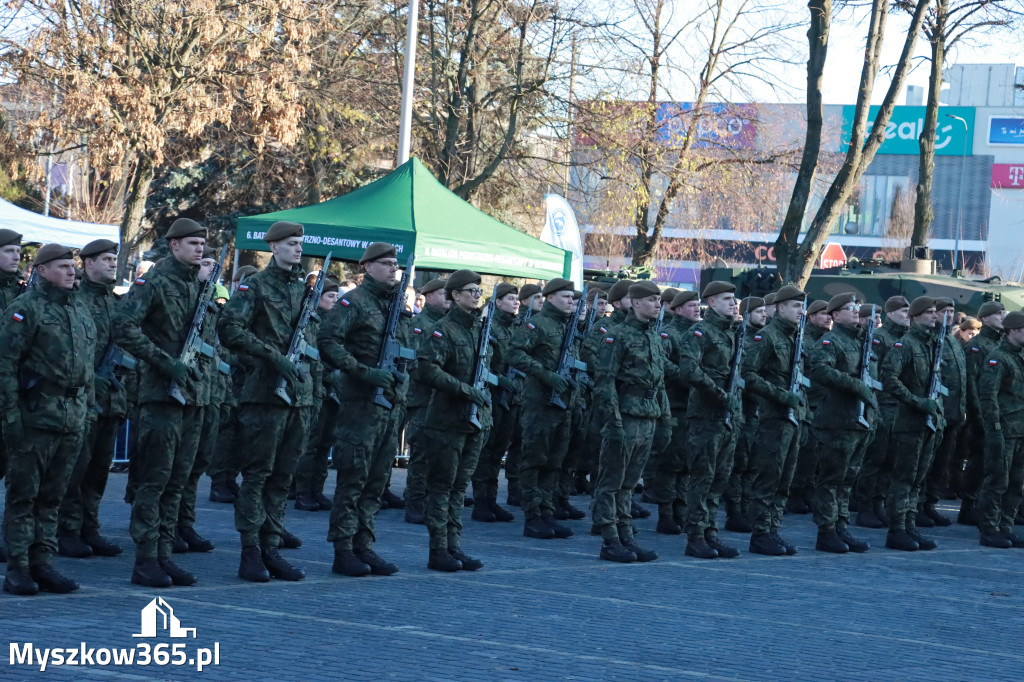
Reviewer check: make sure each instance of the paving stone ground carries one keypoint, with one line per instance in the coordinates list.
(549, 610)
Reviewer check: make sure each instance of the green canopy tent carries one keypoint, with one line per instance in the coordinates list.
(412, 210)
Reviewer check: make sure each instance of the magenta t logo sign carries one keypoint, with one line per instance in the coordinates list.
(1016, 174)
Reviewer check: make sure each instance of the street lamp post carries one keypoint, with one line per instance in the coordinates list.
(960, 199)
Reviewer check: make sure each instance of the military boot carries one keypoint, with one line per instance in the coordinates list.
(323, 501)
(738, 523)
(923, 520)
(880, 512)
(557, 528)
(195, 541)
(221, 492)
(536, 528)
(700, 549)
(377, 564)
(179, 546)
(100, 545)
(500, 513)
(278, 568)
(899, 539)
(305, 502)
(613, 550)
(638, 512)
(289, 541)
(468, 562)
(393, 501)
(251, 566)
(856, 545)
(179, 576)
(968, 515)
(923, 542)
(580, 484)
(724, 551)
(867, 519)
(148, 573)
(666, 521)
(441, 560)
(50, 579)
(932, 513)
(829, 541)
(347, 563)
(468, 501)
(483, 512)
(1015, 540)
(571, 512)
(642, 555)
(764, 543)
(73, 546)
(995, 540)
(791, 549)
(19, 581)
(414, 513)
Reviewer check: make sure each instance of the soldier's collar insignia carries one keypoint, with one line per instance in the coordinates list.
(18, 317)
(139, 280)
(438, 334)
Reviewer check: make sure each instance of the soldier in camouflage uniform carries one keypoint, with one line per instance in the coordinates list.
(530, 303)
(705, 360)
(10, 287)
(366, 439)
(564, 509)
(630, 393)
(47, 347)
(589, 446)
(906, 373)
(78, 521)
(259, 321)
(802, 488)
(1000, 385)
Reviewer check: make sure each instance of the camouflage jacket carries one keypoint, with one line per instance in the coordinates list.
(502, 329)
(421, 326)
(954, 378)
(536, 347)
(47, 352)
(835, 366)
(751, 403)
(259, 320)
(1001, 389)
(768, 367)
(906, 373)
(705, 357)
(678, 391)
(10, 288)
(976, 351)
(101, 302)
(815, 394)
(631, 373)
(884, 339)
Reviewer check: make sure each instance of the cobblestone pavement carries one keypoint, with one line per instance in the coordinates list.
(549, 610)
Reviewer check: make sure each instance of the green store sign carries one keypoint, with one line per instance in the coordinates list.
(904, 129)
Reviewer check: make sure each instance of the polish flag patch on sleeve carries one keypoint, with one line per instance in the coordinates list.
(698, 333)
(438, 334)
(826, 342)
(530, 325)
(18, 317)
(603, 330)
(417, 330)
(345, 302)
(975, 349)
(243, 287)
(993, 362)
(757, 337)
(609, 339)
(876, 342)
(898, 344)
(663, 335)
(140, 281)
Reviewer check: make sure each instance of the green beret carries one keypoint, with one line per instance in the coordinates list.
(619, 290)
(840, 300)
(504, 289)
(433, 285)
(8, 237)
(644, 288)
(942, 303)
(595, 294)
(1014, 320)
(867, 310)
(577, 294)
(683, 297)
(98, 246)
(331, 284)
(786, 293)
(461, 278)
(210, 252)
(717, 287)
(558, 284)
(990, 308)
(921, 304)
(244, 271)
(667, 294)
(769, 299)
(894, 303)
(52, 252)
(816, 307)
(282, 230)
(528, 291)
(751, 303)
(378, 250)
(185, 227)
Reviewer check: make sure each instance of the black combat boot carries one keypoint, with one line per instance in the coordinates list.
(765, 543)
(468, 562)
(699, 548)
(251, 567)
(323, 501)
(571, 512)
(100, 545)
(880, 512)
(393, 500)
(724, 551)
(922, 541)
(179, 576)
(19, 581)
(347, 563)
(179, 546)
(514, 498)
(995, 540)
(923, 520)
(867, 519)
(642, 555)
(50, 579)
(483, 512)
(613, 550)
(441, 560)
(500, 513)
(536, 528)
(221, 492)
(932, 513)
(738, 523)
(638, 512)
(1015, 540)
(305, 502)
(414, 513)
(289, 541)
(829, 541)
(559, 530)
(901, 540)
(73, 546)
(468, 501)
(278, 568)
(148, 573)
(791, 549)
(195, 541)
(580, 484)
(856, 545)
(968, 515)
(377, 564)
(667, 522)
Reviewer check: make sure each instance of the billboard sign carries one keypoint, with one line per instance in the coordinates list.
(1005, 131)
(904, 130)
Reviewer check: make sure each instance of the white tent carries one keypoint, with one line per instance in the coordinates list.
(38, 228)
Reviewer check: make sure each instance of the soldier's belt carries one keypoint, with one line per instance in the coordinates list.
(639, 391)
(50, 388)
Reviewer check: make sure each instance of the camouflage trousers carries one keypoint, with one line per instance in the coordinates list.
(224, 465)
(80, 508)
(311, 470)
(806, 473)
(546, 431)
(1002, 489)
(972, 460)
(911, 455)
(210, 415)
(773, 456)
(515, 451)
(38, 467)
(168, 438)
(840, 454)
(941, 474)
(365, 443)
(416, 472)
(874, 479)
(710, 453)
(668, 482)
(485, 477)
(451, 460)
(575, 453)
(738, 489)
(273, 436)
(619, 467)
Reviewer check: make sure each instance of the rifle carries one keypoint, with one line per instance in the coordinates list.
(865, 371)
(796, 375)
(194, 344)
(31, 282)
(299, 349)
(392, 353)
(113, 359)
(661, 319)
(481, 374)
(736, 382)
(568, 365)
(935, 387)
(529, 309)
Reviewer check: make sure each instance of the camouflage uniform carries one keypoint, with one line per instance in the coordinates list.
(976, 351)
(485, 478)
(807, 459)
(416, 410)
(9, 290)
(223, 469)
(47, 347)
(668, 483)
(311, 470)
(954, 410)
(738, 492)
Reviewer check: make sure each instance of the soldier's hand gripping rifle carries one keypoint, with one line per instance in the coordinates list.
(299, 349)
(935, 387)
(194, 345)
(796, 374)
(865, 371)
(393, 355)
(736, 382)
(568, 364)
(113, 359)
(482, 375)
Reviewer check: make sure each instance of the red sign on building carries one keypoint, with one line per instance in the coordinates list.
(832, 256)
(1008, 175)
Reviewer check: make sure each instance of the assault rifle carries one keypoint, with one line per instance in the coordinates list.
(935, 387)
(865, 371)
(661, 319)
(481, 374)
(392, 354)
(736, 382)
(194, 344)
(505, 397)
(529, 308)
(299, 349)
(113, 359)
(568, 364)
(31, 283)
(796, 375)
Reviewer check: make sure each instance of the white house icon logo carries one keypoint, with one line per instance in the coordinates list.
(170, 621)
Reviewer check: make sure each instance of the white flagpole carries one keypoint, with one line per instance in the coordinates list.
(408, 80)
